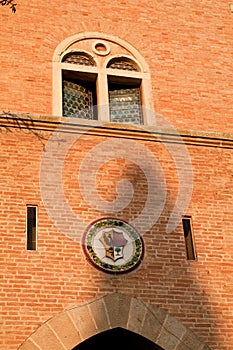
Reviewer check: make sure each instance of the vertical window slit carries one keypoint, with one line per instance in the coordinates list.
(31, 227)
(189, 238)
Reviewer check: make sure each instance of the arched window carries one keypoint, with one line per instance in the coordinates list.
(78, 88)
(124, 91)
(101, 79)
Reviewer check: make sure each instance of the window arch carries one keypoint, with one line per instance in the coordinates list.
(100, 77)
(81, 58)
(123, 63)
(78, 88)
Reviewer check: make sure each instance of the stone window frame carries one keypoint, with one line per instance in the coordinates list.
(102, 73)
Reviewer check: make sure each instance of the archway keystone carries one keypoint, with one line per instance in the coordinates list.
(71, 327)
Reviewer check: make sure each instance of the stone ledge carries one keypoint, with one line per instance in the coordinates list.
(95, 128)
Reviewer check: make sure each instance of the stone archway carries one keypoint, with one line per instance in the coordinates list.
(71, 327)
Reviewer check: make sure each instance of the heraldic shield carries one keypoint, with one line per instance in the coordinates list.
(114, 243)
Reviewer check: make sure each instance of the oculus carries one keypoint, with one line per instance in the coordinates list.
(113, 246)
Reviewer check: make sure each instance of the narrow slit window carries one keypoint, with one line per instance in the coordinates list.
(189, 238)
(31, 227)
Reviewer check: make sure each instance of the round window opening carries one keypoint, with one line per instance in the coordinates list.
(113, 246)
(101, 48)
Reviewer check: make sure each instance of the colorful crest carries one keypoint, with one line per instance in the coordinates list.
(113, 245)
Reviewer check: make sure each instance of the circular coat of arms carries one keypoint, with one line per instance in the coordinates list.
(113, 245)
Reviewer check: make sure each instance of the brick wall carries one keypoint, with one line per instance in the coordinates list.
(38, 284)
(188, 47)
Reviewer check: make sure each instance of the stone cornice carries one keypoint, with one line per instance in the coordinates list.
(154, 134)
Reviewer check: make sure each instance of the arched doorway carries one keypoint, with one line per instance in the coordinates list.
(115, 320)
(117, 338)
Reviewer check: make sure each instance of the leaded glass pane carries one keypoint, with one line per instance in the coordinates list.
(122, 63)
(78, 58)
(77, 101)
(125, 106)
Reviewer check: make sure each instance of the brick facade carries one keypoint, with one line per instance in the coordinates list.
(188, 48)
